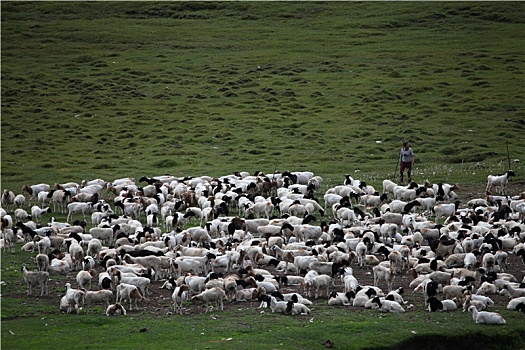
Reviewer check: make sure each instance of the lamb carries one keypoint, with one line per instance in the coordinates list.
(179, 296)
(128, 292)
(209, 295)
(98, 297)
(444, 305)
(486, 317)
(296, 309)
(74, 298)
(34, 278)
(37, 212)
(500, 181)
(385, 305)
(113, 309)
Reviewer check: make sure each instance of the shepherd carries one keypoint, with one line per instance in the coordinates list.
(406, 161)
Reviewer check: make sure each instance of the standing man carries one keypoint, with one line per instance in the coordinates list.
(406, 160)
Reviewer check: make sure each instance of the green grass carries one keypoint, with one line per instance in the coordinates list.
(114, 89)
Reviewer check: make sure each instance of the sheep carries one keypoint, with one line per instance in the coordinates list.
(179, 296)
(34, 278)
(445, 210)
(19, 200)
(363, 296)
(149, 262)
(296, 309)
(513, 292)
(385, 305)
(487, 288)
(488, 302)
(83, 279)
(42, 262)
(501, 260)
(340, 299)
(21, 215)
(513, 303)
(486, 317)
(79, 208)
(74, 297)
(444, 305)
(384, 273)
(37, 212)
(8, 198)
(34, 190)
(319, 282)
(99, 297)
(114, 309)
(478, 304)
(452, 291)
(500, 181)
(209, 295)
(445, 191)
(373, 200)
(128, 292)
(104, 234)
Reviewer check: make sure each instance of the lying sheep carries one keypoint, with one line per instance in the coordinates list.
(444, 305)
(485, 317)
(296, 309)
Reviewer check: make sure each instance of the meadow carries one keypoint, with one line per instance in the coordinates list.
(114, 89)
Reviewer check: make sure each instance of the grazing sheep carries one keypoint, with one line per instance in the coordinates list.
(114, 309)
(486, 317)
(209, 295)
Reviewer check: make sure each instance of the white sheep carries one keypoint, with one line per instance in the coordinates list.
(211, 295)
(445, 210)
(500, 181)
(84, 278)
(19, 200)
(36, 278)
(385, 305)
(114, 309)
(37, 212)
(319, 283)
(34, 190)
(296, 309)
(83, 208)
(98, 297)
(179, 296)
(486, 317)
(384, 273)
(128, 292)
(21, 215)
(74, 297)
(440, 305)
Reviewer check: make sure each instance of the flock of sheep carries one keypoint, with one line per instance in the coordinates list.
(243, 237)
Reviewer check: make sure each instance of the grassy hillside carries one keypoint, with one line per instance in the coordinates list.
(124, 89)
